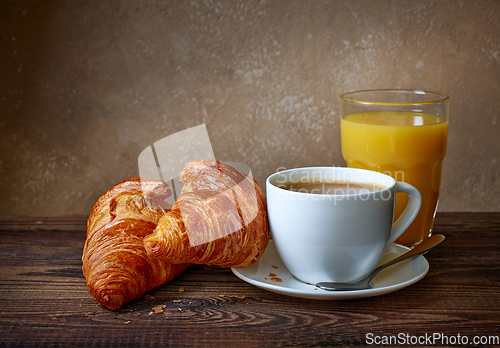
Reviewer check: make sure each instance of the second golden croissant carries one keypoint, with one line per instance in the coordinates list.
(220, 218)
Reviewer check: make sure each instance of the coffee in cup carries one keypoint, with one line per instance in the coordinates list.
(330, 187)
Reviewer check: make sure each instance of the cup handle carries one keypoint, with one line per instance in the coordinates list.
(410, 212)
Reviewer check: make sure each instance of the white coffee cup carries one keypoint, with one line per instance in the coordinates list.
(335, 238)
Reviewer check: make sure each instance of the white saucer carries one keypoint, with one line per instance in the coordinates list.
(270, 273)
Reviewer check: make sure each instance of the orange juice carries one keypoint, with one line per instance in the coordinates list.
(408, 146)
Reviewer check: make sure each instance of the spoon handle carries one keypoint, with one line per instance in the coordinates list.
(424, 246)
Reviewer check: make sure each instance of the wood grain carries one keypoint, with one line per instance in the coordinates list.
(44, 300)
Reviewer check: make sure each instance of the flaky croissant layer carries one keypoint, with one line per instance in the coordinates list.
(220, 218)
(116, 266)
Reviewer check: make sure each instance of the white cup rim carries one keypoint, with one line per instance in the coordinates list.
(388, 181)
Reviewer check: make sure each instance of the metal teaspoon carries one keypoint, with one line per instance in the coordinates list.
(365, 283)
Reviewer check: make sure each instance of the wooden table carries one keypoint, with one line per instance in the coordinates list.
(44, 300)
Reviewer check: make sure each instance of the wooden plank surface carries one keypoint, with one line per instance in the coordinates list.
(44, 300)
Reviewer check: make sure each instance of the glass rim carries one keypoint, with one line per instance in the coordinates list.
(442, 97)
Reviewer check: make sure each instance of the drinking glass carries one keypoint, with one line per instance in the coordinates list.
(402, 133)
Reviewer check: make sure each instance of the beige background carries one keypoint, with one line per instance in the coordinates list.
(86, 85)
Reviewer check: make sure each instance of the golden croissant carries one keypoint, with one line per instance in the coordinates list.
(115, 264)
(220, 218)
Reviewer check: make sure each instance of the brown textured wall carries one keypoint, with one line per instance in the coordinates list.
(85, 86)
